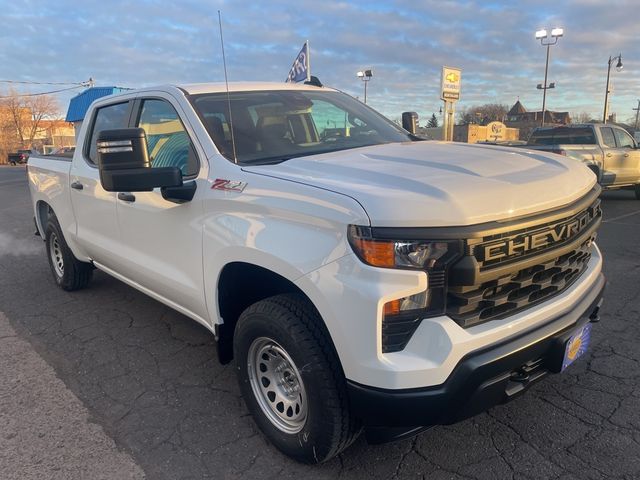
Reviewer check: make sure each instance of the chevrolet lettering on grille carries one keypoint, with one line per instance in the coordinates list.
(547, 237)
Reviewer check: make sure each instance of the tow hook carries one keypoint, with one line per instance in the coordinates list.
(595, 314)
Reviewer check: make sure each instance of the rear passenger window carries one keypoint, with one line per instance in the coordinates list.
(563, 136)
(167, 140)
(107, 118)
(607, 137)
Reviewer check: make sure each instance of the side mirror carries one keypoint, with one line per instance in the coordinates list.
(124, 163)
(410, 122)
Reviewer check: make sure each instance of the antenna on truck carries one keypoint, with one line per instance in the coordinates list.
(226, 81)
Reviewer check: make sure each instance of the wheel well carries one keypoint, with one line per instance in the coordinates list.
(595, 169)
(43, 212)
(241, 285)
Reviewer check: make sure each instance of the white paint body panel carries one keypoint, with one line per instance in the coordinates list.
(292, 219)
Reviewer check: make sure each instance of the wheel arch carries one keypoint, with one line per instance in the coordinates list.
(43, 212)
(241, 284)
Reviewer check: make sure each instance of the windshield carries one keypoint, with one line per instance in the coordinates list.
(274, 126)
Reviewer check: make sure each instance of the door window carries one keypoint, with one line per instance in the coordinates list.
(168, 143)
(107, 118)
(608, 138)
(624, 139)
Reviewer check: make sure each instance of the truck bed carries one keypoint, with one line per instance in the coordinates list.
(49, 182)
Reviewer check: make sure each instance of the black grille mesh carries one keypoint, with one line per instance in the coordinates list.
(471, 305)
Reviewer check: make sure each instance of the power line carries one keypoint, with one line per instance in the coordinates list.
(26, 82)
(43, 93)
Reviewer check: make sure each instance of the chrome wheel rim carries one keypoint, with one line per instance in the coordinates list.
(56, 255)
(277, 385)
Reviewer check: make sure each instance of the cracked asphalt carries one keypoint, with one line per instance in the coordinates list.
(149, 379)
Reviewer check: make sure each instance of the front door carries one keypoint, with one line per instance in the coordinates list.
(629, 156)
(161, 241)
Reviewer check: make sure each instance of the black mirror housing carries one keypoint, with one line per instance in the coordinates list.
(122, 148)
(140, 179)
(125, 166)
(410, 122)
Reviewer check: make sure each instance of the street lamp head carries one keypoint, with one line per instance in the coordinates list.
(360, 74)
(619, 64)
(364, 74)
(540, 34)
(557, 32)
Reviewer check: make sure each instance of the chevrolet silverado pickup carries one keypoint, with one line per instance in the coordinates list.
(359, 279)
(608, 150)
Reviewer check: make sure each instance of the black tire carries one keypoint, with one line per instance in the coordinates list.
(637, 191)
(70, 273)
(294, 325)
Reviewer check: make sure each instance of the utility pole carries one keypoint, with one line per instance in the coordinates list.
(607, 91)
(637, 109)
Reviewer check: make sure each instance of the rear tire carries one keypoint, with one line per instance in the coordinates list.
(68, 272)
(291, 379)
(637, 191)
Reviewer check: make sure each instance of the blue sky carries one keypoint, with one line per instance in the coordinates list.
(405, 42)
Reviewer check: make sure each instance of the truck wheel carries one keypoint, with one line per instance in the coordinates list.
(68, 272)
(291, 379)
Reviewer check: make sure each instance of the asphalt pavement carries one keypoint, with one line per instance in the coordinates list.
(144, 380)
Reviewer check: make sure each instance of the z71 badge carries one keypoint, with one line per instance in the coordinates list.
(228, 185)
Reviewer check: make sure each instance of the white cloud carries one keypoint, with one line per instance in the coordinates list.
(405, 42)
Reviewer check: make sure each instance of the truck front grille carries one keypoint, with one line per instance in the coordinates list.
(506, 295)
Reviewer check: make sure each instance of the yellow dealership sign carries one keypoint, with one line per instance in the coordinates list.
(450, 84)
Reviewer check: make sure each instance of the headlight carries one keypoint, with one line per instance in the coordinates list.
(427, 255)
(402, 316)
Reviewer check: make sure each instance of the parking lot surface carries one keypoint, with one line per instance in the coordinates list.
(149, 378)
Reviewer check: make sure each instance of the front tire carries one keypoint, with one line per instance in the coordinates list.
(68, 272)
(291, 379)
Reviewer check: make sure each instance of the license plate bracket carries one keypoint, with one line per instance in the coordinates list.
(577, 345)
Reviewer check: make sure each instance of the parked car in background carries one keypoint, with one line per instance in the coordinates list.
(21, 156)
(608, 150)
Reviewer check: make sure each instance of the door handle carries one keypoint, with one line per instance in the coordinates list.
(77, 186)
(609, 154)
(626, 154)
(126, 197)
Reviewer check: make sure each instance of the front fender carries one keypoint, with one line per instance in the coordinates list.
(288, 228)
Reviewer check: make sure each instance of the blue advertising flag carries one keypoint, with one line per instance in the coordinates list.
(300, 69)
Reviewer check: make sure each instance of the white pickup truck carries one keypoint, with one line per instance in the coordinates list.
(358, 278)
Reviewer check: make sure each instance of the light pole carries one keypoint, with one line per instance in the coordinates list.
(556, 33)
(365, 76)
(606, 93)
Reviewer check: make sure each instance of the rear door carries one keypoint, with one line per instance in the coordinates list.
(161, 241)
(94, 207)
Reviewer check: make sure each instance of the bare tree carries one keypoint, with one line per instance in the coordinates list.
(26, 114)
(483, 114)
(582, 117)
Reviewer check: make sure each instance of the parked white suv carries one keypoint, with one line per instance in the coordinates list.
(356, 277)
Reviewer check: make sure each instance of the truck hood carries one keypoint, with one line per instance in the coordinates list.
(418, 184)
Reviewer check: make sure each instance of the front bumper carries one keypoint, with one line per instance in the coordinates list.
(482, 379)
